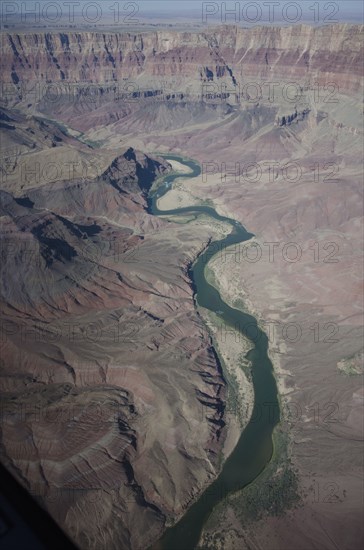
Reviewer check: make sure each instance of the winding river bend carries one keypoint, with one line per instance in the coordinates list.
(255, 446)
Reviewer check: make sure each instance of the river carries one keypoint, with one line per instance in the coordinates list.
(254, 448)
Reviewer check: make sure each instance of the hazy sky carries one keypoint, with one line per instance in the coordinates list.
(354, 7)
(340, 9)
(215, 12)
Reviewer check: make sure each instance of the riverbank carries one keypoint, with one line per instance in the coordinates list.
(246, 458)
(230, 345)
(232, 349)
(179, 167)
(229, 285)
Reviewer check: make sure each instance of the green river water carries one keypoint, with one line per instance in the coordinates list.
(255, 447)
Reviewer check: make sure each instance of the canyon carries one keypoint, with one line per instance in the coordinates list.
(116, 390)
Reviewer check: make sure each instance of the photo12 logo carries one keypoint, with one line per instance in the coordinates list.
(251, 252)
(83, 96)
(87, 13)
(270, 172)
(31, 172)
(270, 12)
(294, 95)
(125, 331)
(277, 331)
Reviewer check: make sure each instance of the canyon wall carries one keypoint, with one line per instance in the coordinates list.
(301, 53)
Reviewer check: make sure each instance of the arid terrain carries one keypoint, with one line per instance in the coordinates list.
(117, 406)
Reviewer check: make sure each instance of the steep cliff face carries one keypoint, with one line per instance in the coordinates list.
(301, 53)
(296, 116)
(106, 368)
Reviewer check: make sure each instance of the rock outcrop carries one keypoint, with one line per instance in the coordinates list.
(286, 120)
(112, 396)
(163, 62)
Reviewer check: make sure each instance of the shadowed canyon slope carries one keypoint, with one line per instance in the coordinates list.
(114, 398)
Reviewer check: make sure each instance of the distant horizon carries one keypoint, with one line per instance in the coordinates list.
(344, 9)
(131, 14)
